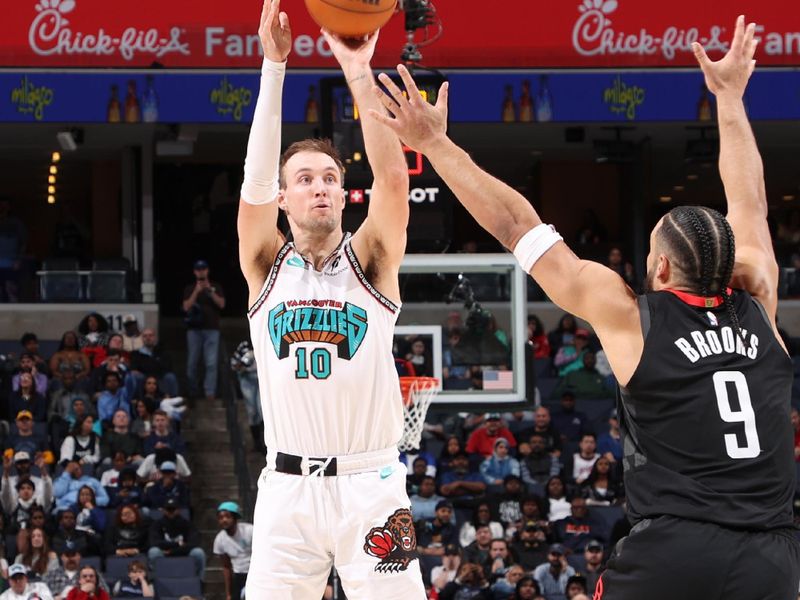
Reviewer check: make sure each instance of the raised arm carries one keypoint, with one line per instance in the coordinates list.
(259, 238)
(570, 282)
(741, 169)
(382, 236)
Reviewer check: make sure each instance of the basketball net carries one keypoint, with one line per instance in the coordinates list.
(418, 393)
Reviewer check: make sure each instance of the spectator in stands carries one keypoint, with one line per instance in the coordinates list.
(115, 343)
(35, 554)
(172, 535)
(68, 538)
(585, 382)
(610, 444)
(162, 436)
(88, 587)
(576, 586)
(459, 483)
(30, 345)
(538, 338)
(25, 397)
(168, 487)
(69, 358)
(622, 267)
(127, 534)
(38, 519)
(22, 588)
(455, 371)
(82, 444)
(112, 363)
(558, 506)
(81, 409)
(418, 472)
(149, 469)
(527, 589)
(538, 466)
(451, 448)
(121, 439)
(13, 240)
(143, 419)
(499, 560)
(132, 338)
(506, 504)
(93, 330)
(27, 364)
(552, 576)
(25, 439)
(603, 487)
(570, 356)
(500, 464)
(477, 551)
(470, 582)
(127, 491)
(243, 363)
(203, 302)
(482, 440)
(43, 484)
(563, 334)
(423, 503)
(151, 394)
(233, 544)
(530, 545)
(19, 506)
(570, 423)
(503, 587)
(88, 516)
(579, 465)
(433, 535)
(577, 529)
(71, 481)
(112, 398)
(152, 360)
(62, 580)
(542, 424)
(482, 515)
(136, 586)
(62, 398)
(110, 477)
(420, 358)
(443, 574)
(593, 558)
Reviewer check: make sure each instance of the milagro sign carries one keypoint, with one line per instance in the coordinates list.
(514, 33)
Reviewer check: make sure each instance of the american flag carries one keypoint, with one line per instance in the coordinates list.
(498, 380)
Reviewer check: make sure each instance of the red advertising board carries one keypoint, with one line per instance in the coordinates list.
(477, 33)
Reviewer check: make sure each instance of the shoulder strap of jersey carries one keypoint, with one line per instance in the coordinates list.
(761, 310)
(644, 315)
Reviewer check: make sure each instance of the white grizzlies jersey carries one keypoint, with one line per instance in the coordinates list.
(323, 346)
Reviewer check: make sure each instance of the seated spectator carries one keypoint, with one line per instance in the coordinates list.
(114, 362)
(542, 424)
(27, 364)
(451, 447)
(563, 334)
(585, 381)
(552, 576)
(166, 488)
(504, 587)
(482, 440)
(172, 535)
(531, 507)
(120, 438)
(128, 491)
(481, 516)
(499, 560)
(499, 465)
(578, 528)
(38, 519)
(233, 544)
(136, 585)
(115, 343)
(152, 360)
(603, 487)
(88, 587)
(18, 507)
(434, 535)
(110, 477)
(24, 439)
(506, 504)
(82, 444)
(537, 338)
(22, 588)
(455, 370)
(25, 397)
(593, 563)
(610, 444)
(113, 398)
(459, 483)
(570, 423)
(79, 410)
(527, 589)
(42, 485)
(68, 539)
(579, 465)
(443, 574)
(470, 582)
(569, 357)
(63, 579)
(162, 436)
(70, 482)
(131, 336)
(538, 465)
(35, 554)
(30, 345)
(151, 395)
(558, 506)
(93, 330)
(576, 586)
(414, 479)
(142, 423)
(88, 516)
(61, 399)
(127, 534)
(69, 359)
(423, 503)
(530, 545)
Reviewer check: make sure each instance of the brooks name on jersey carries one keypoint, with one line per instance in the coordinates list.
(713, 342)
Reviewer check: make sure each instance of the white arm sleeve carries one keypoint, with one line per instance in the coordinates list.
(260, 185)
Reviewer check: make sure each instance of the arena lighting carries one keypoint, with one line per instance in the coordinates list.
(51, 189)
(357, 156)
(678, 188)
(788, 197)
(665, 198)
(51, 199)
(693, 177)
(53, 169)
(51, 179)
(56, 158)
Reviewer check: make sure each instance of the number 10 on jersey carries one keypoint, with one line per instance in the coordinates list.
(317, 363)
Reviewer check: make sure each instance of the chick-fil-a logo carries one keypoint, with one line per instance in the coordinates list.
(50, 34)
(593, 35)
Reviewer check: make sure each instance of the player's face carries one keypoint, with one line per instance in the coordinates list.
(313, 198)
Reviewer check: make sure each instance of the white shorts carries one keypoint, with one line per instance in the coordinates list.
(358, 522)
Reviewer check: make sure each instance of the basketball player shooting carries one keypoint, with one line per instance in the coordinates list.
(322, 314)
(705, 381)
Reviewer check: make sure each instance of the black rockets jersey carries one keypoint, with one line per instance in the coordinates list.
(706, 416)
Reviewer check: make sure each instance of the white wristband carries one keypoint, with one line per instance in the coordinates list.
(260, 185)
(532, 246)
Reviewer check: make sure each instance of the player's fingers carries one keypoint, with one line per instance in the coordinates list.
(441, 101)
(408, 81)
(752, 67)
(394, 91)
(388, 121)
(751, 49)
(284, 21)
(749, 36)
(700, 55)
(265, 10)
(738, 34)
(387, 101)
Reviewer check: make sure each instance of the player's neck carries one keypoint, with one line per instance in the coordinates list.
(316, 248)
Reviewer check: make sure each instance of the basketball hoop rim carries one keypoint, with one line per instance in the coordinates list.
(422, 382)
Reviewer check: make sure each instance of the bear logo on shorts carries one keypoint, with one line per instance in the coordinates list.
(395, 543)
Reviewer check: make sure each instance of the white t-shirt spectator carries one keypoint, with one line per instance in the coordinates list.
(40, 589)
(237, 547)
(582, 467)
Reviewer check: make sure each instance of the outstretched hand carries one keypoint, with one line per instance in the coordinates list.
(731, 73)
(351, 51)
(274, 31)
(416, 122)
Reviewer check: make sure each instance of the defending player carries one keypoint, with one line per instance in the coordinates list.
(705, 380)
(322, 316)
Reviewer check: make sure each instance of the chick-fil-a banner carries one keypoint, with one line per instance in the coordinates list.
(475, 33)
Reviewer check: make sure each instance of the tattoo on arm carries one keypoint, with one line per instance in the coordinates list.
(357, 78)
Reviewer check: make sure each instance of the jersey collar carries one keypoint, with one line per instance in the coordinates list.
(699, 301)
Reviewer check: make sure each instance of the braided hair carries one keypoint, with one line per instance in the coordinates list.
(703, 251)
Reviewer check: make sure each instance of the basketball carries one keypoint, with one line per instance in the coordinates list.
(351, 18)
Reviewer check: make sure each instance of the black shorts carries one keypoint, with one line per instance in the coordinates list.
(669, 558)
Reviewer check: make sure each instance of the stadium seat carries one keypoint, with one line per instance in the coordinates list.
(546, 385)
(174, 566)
(62, 281)
(543, 367)
(107, 286)
(93, 561)
(11, 545)
(178, 586)
(117, 566)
